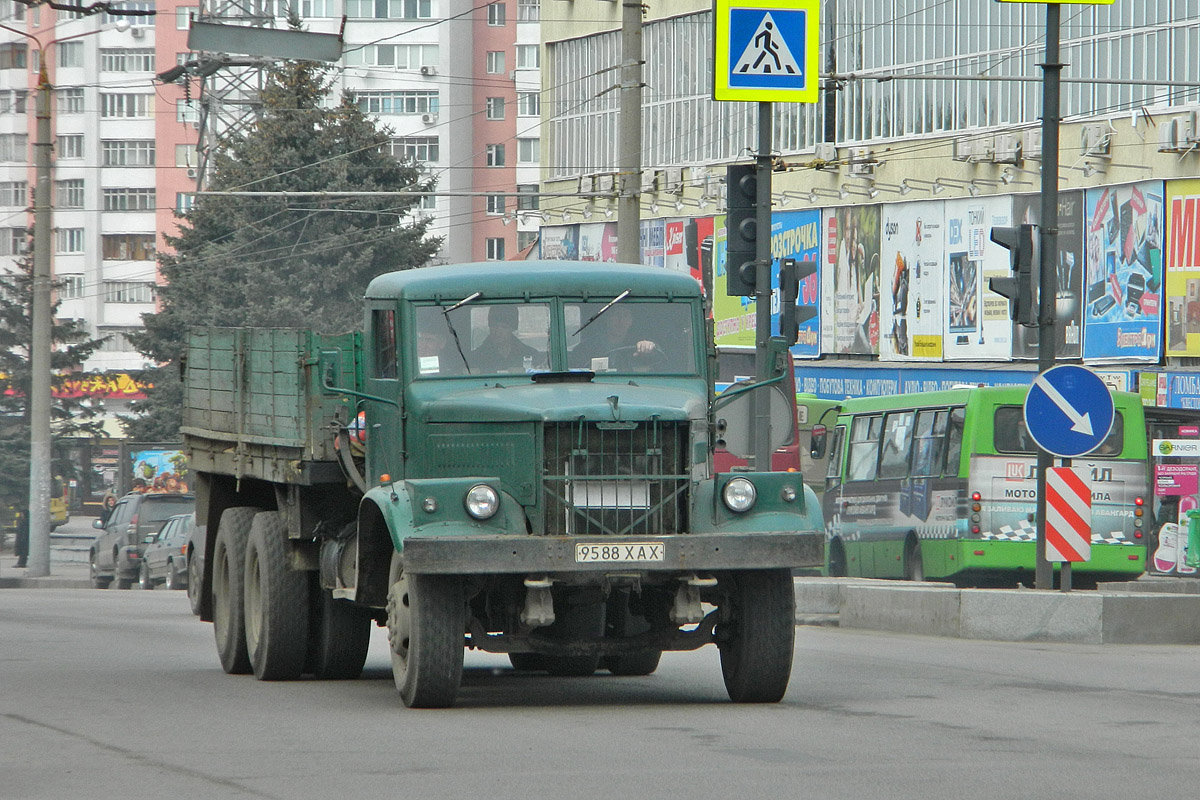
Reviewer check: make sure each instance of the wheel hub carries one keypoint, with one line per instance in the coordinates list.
(399, 617)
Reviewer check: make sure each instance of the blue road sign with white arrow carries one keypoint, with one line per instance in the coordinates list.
(1068, 411)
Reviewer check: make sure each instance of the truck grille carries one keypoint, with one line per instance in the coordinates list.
(615, 478)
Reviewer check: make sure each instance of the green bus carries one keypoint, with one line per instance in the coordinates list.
(942, 485)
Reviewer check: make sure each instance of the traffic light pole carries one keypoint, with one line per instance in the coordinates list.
(761, 430)
(1048, 281)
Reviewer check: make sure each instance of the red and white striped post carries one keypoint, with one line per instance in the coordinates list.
(1068, 519)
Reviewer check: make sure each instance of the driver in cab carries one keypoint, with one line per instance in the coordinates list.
(618, 344)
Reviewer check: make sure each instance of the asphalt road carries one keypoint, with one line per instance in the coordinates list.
(119, 694)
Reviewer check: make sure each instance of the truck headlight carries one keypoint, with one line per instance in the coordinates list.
(482, 502)
(739, 495)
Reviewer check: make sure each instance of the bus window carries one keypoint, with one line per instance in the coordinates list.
(1114, 443)
(834, 469)
(954, 439)
(1009, 434)
(864, 448)
(897, 442)
(930, 443)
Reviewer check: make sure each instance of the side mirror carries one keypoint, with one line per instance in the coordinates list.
(150, 539)
(820, 440)
(98, 524)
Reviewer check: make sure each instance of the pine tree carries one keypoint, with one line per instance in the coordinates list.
(278, 262)
(69, 417)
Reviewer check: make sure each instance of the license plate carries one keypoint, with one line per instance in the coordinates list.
(625, 553)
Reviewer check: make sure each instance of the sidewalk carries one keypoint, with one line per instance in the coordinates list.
(68, 561)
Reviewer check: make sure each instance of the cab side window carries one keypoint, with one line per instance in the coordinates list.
(383, 326)
(833, 472)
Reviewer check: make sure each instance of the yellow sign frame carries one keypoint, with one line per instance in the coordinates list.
(722, 57)
(1063, 2)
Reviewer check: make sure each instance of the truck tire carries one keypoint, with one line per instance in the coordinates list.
(757, 636)
(276, 603)
(338, 638)
(98, 581)
(427, 621)
(229, 573)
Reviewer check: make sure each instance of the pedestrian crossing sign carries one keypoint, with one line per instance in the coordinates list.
(766, 50)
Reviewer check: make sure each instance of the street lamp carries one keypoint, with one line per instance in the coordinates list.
(40, 343)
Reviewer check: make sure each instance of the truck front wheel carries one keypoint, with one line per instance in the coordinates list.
(276, 603)
(757, 635)
(427, 622)
(229, 568)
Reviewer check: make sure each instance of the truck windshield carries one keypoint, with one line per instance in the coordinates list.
(631, 336)
(483, 339)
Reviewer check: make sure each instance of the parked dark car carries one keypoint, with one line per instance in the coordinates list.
(116, 554)
(165, 558)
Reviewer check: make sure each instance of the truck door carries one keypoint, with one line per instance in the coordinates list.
(383, 432)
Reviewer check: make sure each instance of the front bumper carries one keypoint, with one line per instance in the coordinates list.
(502, 554)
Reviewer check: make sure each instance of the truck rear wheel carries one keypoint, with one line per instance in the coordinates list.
(427, 622)
(276, 603)
(228, 576)
(338, 638)
(757, 636)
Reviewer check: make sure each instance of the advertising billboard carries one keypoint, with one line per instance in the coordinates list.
(978, 326)
(1122, 315)
(1183, 268)
(850, 280)
(912, 311)
(1069, 270)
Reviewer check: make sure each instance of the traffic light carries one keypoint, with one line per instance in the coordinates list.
(741, 229)
(1021, 289)
(791, 316)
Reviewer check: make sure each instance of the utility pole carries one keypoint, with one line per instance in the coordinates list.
(39, 353)
(762, 292)
(629, 159)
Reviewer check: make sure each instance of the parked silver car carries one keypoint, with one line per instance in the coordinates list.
(165, 558)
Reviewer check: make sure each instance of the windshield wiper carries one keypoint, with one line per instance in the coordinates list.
(453, 333)
(596, 316)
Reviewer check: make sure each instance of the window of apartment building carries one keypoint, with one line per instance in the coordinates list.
(70, 54)
(122, 104)
(134, 20)
(68, 240)
(495, 108)
(495, 155)
(124, 199)
(527, 197)
(495, 204)
(495, 249)
(496, 14)
(14, 55)
(185, 155)
(528, 151)
(400, 56)
(128, 292)
(421, 149)
(69, 287)
(184, 201)
(389, 9)
(184, 16)
(11, 9)
(127, 246)
(14, 147)
(529, 56)
(495, 62)
(427, 202)
(529, 10)
(69, 193)
(12, 101)
(127, 152)
(529, 104)
(398, 102)
(307, 9)
(13, 241)
(116, 339)
(70, 101)
(69, 146)
(14, 193)
(525, 239)
(187, 111)
(140, 60)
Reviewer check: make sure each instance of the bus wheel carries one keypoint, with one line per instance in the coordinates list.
(427, 622)
(837, 559)
(757, 635)
(914, 567)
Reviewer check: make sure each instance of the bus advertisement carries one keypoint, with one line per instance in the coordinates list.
(942, 485)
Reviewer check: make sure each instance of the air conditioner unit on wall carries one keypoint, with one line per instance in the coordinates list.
(429, 119)
(1008, 149)
(1031, 143)
(137, 33)
(825, 151)
(964, 149)
(1095, 140)
(861, 161)
(1168, 136)
(429, 72)
(604, 182)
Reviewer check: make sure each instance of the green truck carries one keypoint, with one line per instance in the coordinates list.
(510, 457)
